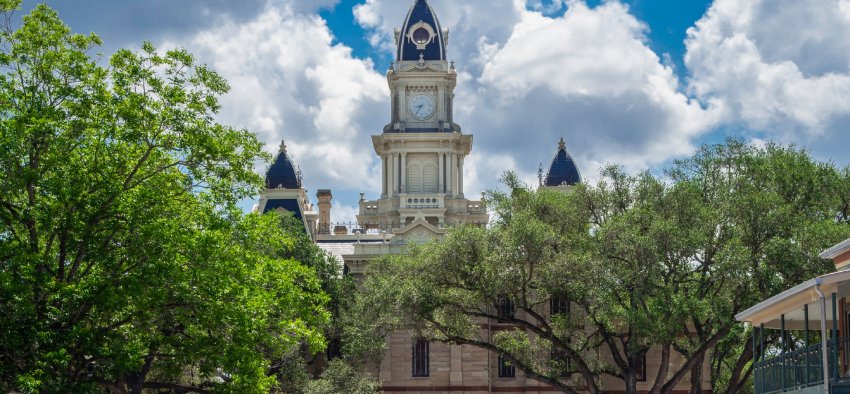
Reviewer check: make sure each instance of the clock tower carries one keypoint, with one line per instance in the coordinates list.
(422, 149)
(421, 79)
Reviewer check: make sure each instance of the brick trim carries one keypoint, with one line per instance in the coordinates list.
(485, 389)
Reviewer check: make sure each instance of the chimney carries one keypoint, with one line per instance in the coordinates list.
(324, 196)
(839, 254)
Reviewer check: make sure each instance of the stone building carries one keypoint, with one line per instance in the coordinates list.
(422, 151)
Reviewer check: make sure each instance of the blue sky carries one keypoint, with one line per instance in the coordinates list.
(668, 22)
(632, 82)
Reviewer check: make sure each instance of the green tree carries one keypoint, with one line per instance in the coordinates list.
(124, 262)
(341, 378)
(774, 209)
(646, 265)
(292, 370)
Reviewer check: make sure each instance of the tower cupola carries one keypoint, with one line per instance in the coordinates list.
(421, 38)
(563, 170)
(283, 174)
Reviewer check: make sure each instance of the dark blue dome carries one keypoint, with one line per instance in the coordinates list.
(563, 170)
(282, 174)
(421, 34)
(289, 205)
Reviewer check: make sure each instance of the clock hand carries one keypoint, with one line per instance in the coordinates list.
(418, 109)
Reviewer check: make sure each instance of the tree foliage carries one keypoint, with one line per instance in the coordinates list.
(648, 264)
(124, 261)
(341, 378)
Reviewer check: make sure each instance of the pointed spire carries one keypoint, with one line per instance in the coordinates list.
(422, 22)
(283, 174)
(563, 170)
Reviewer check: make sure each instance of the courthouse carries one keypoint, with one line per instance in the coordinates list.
(422, 151)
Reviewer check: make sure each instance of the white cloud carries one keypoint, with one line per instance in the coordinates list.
(781, 66)
(291, 81)
(526, 78)
(342, 213)
(591, 74)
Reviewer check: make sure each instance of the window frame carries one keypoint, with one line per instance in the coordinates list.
(558, 354)
(641, 376)
(504, 369)
(505, 307)
(420, 357)
(559, 305)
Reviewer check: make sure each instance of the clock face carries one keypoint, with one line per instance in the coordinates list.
(421, 106)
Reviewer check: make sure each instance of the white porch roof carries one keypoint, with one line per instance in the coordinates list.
(792, 302)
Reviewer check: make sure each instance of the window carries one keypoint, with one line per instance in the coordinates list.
(429, 178)
(560, 361)
(559, 306)
(506, 370)
(421, 358)
(414, 179)
(421, 174)
(505, 308)
(421, 36)
(641, 369)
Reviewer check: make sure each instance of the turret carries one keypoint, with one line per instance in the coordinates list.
(284, 192)
(563, 171)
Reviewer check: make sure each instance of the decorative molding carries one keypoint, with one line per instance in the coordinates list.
(421, 45)
(421, 88)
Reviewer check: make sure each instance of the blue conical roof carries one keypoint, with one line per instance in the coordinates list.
(282, 174)
(421, 24)
(563, 170)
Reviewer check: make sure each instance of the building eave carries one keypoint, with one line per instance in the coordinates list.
(793, 299)
(836, 250)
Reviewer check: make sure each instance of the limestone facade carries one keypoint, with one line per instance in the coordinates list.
(422, 152)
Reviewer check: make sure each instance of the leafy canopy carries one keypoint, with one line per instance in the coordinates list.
(124, 261)
(647, 264)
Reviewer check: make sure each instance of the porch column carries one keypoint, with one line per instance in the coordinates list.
(755, 353)
(823, 335)
(808, 359)
(834, 337)
(784, 349)
(761, 330)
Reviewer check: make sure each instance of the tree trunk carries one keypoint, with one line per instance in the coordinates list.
(631, 382)
(696, 376)
(663, 370)
(135, 381)
(740, 365)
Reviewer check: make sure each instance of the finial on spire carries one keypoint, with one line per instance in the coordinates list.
(540, 174)
(282, 146)
(562, 144)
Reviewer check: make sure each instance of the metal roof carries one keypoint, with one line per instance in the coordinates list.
(563, 170)
(282, 174)
(289, 205)
(421, 12)
(836, 250)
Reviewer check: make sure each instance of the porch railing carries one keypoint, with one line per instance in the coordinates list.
(796, 369)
